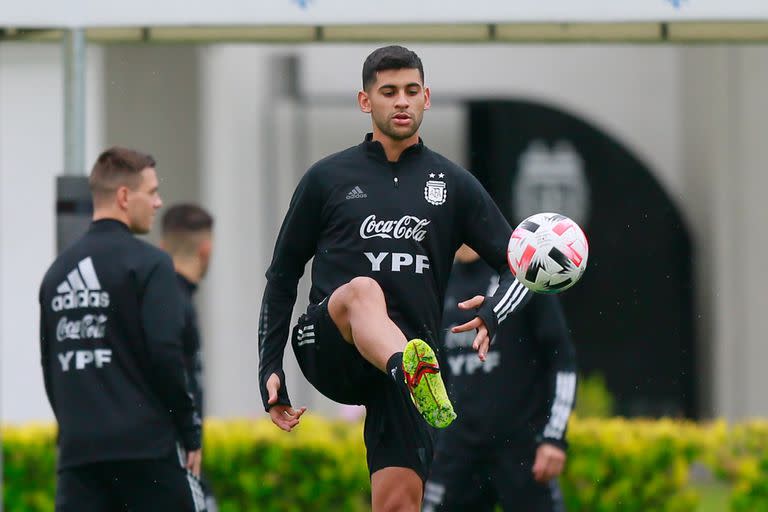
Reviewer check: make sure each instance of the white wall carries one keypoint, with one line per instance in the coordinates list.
(31, 155)
(749, 170)
(233, 107)
(151, 103)
(726, 119)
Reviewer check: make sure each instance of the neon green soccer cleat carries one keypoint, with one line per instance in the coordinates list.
(422, 376)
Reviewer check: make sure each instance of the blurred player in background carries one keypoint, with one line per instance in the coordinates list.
(508, 444)
(187, 235)
(111, 319)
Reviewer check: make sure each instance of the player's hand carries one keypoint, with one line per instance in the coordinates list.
(549, 463)
(284, 416)
(482, 341)
(194, 461)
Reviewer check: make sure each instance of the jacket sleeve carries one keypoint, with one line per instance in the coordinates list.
(296, 244)
(162, 317)
(553, 337)
(193, 354)
(45, 357)
(487, 232)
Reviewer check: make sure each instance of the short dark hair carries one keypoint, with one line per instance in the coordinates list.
(117, 167)
(389, 57)
(186, 218)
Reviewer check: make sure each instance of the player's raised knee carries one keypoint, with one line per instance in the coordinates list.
(360, 292)
(364, 287)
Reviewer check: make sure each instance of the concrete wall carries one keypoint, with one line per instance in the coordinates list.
(31, 155)
(151, 102)
(725, 114)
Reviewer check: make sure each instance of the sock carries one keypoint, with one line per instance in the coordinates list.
(395, 368)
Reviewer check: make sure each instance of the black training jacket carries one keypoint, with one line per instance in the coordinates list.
(525, 389)
(399, 223)
(110, 343)
(191, 341)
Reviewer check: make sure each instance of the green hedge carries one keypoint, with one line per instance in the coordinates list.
(631, 465)
(253, 466)
(740, 457)
(29, 468)
(614, 465)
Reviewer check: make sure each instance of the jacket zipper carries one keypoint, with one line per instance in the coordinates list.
(395, 179)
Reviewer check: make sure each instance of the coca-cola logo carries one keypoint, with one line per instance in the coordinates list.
(89, 327)
(406, 227)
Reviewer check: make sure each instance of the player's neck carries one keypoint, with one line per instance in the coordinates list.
(466, 254)
(467, 259)
(189, 268)
(393, 148)
(101, 213)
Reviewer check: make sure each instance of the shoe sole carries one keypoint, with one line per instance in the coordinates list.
(428, 393)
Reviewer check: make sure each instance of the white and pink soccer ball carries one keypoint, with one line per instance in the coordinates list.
(548, 252)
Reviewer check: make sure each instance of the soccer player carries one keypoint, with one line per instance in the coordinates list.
(511, 452)
(382, 220)
(187, 235)
(110, 342)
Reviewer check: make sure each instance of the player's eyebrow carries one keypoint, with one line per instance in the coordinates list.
(394, 86)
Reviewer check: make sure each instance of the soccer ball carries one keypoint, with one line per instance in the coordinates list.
(548, 252)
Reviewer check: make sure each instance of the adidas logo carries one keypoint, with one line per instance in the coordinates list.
(306, 335)
(356, 193)
(81, 289)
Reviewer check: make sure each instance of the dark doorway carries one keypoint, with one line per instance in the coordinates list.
(631, 315)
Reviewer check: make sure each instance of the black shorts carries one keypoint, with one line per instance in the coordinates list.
(142, 485)
(395, 433)
(478, 478)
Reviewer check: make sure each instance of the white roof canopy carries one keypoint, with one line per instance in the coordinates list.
(361, 20)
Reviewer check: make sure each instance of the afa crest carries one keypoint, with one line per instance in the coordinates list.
(435, 191)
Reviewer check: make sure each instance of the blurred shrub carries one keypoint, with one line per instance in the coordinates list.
(251, 465)
(254, 466)
(741, 459)
(593, 400)
(613, 465)
(29, 467)
(631, 465)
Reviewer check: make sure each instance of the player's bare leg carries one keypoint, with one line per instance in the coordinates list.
(396, 490)
(359, 311)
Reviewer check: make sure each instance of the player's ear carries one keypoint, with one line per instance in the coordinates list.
(427, 102)
(122, 197)
(364, 101)
(205, 248)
